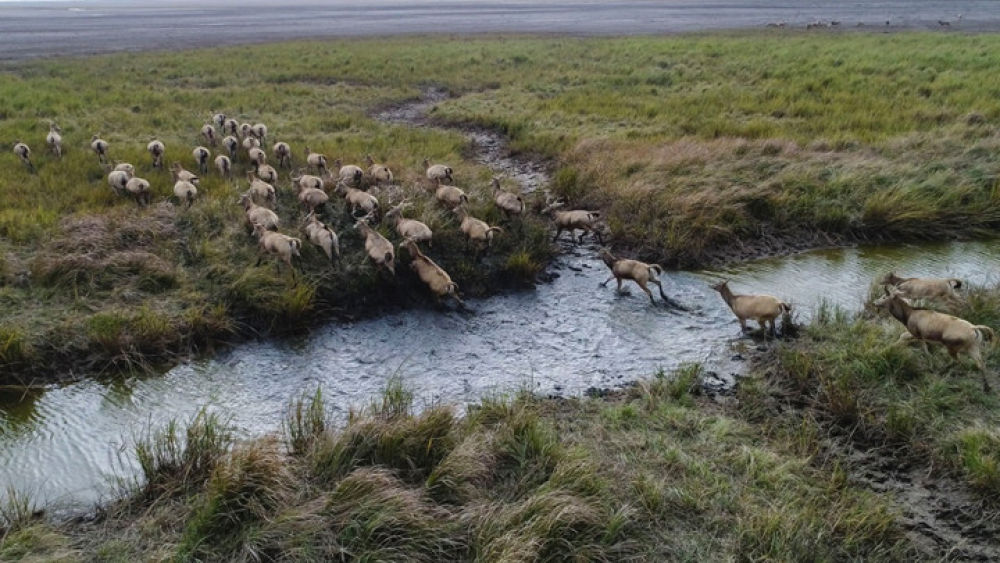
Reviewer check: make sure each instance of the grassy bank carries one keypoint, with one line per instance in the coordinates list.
(786, 470)
(715, 147)
(91, 283)
(650, 474)
(847, 377)
(697, 147)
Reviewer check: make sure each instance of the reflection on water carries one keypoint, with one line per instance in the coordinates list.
(564, 337)
(843, 276)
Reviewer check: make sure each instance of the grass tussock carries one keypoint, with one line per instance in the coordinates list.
(850, 373)
(178, 459)
(648, 474)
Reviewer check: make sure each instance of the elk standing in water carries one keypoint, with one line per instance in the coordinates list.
(639, 272)
(762, 308)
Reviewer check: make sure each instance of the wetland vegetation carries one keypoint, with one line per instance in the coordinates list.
(697, 148)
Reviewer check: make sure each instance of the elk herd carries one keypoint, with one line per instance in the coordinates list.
(314, 184)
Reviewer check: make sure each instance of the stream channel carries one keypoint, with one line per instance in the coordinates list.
(62, 445)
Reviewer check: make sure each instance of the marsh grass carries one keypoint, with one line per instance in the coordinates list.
(180, 458)
(848, 373)
(90, 279)
(646, 474)
(701, 148)
(697, 148)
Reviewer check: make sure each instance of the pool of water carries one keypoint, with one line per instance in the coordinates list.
(63, 444)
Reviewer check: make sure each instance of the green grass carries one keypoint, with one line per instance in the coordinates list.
(850, 375)
(697, 147)
(707, 147)
(649, 474)
(90, 280)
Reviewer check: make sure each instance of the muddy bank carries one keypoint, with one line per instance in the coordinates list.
(939, 513)
(531, 172)
(942, 515)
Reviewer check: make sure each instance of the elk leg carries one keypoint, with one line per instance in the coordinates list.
(646, 289)
(743, 324)
(977, 355)
(559, 231)
(660, 285)
(605, 283)
(671, 302)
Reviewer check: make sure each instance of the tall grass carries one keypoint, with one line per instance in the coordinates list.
(178, 459)
(852, 374)
(647, 474)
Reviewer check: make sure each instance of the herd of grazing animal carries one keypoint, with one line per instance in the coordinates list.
(354, 182)
(229, 146)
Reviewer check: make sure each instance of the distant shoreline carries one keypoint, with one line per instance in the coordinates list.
(42, 29)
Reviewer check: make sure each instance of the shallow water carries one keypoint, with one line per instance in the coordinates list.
(565, 337)
(62, 445)
(843, 276)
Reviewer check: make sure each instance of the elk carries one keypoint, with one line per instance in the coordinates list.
(411, 229)
(322, 236)
(925, 288)
(586, 221)
(762, 308)
(434, 276)
(359, 199)
(379, 249)
(508, 203)
(639, 272)
(282, 246)
(957, 335)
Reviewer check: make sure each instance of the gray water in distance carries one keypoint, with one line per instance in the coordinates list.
(564, 337)
(33, 29)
